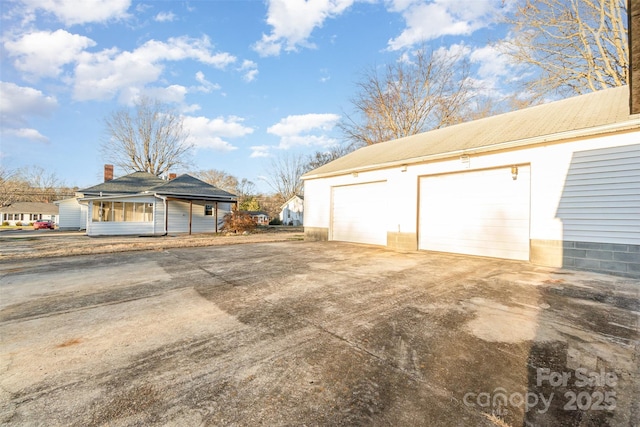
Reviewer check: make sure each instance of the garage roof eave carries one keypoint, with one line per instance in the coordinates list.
(633, 123)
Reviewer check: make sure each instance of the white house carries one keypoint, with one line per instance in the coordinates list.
(259, 217)
(143, 204)
(72, 214)
(555, 184)
(25, 213)
(292, 211)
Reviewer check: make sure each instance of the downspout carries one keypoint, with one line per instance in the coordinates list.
(166, 215)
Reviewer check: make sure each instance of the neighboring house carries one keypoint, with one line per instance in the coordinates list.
(555, 184)
(143, 204)
(292, 211)
(259, 217)
(26, 213)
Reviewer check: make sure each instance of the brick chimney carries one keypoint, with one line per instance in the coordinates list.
(633, 14)
(172, 176)
(108, 173)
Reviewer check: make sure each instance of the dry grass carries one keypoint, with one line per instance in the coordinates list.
(68, 245)
(497, 421)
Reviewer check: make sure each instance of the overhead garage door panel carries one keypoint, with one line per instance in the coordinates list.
(357, 215)
(476, 213)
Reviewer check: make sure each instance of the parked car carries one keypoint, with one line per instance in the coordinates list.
(43, 223)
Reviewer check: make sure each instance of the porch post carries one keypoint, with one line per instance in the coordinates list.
(215, 216)
(166, 216)
(190, 214)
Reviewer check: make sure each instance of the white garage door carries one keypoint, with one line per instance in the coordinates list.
(482, 213)
(357, 213)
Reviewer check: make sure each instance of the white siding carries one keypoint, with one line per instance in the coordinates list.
(355, 217)
(70, 215)
(601, 197)
(293, 212)
(179, 217)
(552, 203)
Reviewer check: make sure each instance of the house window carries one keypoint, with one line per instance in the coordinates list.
(122, 212)
(118, 211)
(208, 210)
(128, 211)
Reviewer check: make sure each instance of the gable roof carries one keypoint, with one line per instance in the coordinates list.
(31, 208)
(256, 213)
(589, 114)
(188, 186)
(185, 187)
(133, 183)
(297, 196)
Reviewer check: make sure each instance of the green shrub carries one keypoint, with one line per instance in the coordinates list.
(5, 224)
(275, 221)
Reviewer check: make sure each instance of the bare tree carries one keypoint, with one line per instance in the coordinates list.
(244, 188)
(218, 178)
(43, 184)
(429, 92)
(320, 158)
(151, 139)
(30, 184)
(10, 186)
(284, 176)
(577, 46)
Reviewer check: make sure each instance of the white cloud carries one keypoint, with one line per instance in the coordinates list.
(325, 76)
(260, 151)
(293, 21)
(26, 133)
(492, 63)
(429, 20)
(212, 133)
(205, 85)
(17, 104)
(304, 130)
(72, 12)
(44, 53)
(104, 74)
(165, 17)
(250, 70)
(172, 94)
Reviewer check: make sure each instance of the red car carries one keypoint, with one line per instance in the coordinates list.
(43, 223)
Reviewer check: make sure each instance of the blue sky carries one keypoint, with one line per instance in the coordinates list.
(253, 79)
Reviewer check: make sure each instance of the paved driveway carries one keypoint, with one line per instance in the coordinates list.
(300, 333)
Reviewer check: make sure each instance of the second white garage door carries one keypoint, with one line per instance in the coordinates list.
(482, 213)
(357, 213)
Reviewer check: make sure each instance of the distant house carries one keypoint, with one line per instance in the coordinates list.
(292, 211)
(259, 217)
(27, 212)
(144, 204)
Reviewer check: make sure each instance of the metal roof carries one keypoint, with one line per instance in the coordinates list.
(592, 113)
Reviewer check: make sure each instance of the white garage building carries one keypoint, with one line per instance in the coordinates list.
(556, 184)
